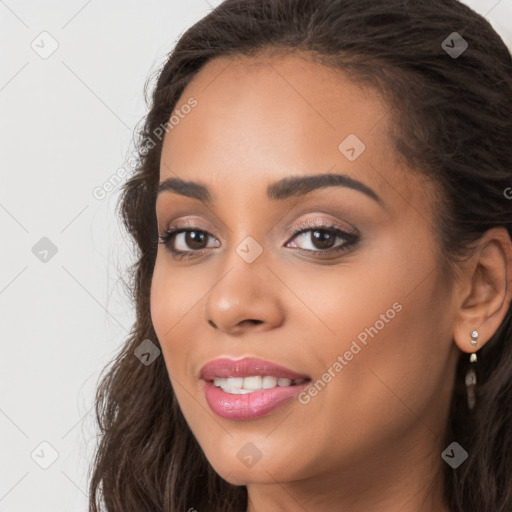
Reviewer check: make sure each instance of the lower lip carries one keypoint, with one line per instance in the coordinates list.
(249, 405)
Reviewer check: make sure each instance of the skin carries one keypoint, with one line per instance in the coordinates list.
(371, 439)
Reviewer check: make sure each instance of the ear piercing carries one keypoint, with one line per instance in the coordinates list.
(474, 338)
(471, 374)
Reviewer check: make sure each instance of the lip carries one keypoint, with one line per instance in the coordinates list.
(246, 367)
(250, 405)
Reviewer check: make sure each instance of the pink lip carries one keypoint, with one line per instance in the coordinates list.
(249, 405)
(246, 367)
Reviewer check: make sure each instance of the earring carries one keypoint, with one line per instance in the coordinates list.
(474, 337)
(471, 381)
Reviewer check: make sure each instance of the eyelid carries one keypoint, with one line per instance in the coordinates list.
(187, 224)
(311, 224)
(303, 225)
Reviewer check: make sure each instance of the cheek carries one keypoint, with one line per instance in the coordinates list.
(391, 334)
(170, 309)
(173, 300)
(175, 297)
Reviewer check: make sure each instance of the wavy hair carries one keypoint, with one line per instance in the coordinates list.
(451, 122)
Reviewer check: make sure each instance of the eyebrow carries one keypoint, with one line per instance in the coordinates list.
(291, 186)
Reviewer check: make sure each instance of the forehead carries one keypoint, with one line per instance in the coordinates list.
(258, 119)
(281, 92)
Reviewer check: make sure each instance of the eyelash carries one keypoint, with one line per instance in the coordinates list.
(350, 236)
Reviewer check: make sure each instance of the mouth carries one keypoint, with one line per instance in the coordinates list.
(243, 385)
(265, 385)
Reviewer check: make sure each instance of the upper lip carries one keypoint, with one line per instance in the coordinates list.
(246, 367)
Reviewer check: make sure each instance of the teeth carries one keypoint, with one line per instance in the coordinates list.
(253, 382)
(269, 382)
(235, 382)
(243, 385)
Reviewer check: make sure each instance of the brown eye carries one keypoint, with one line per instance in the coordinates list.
(186, 241)
(194, 239)
(320, 239)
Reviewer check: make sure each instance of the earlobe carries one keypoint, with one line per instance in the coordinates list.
(487, 285)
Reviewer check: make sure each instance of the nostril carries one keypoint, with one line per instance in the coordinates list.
(240, 324)
(255, 322)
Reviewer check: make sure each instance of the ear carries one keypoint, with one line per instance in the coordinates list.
(484, 290)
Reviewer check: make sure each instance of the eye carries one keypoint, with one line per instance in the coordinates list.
(322, 238)
(185, 241)
(182, 242)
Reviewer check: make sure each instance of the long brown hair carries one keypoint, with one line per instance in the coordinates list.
(452, 120)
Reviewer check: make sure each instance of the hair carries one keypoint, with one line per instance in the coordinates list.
(451, 123)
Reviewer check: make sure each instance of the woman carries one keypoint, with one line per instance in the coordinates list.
(323, 212)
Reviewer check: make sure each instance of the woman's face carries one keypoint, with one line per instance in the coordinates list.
(366, 316)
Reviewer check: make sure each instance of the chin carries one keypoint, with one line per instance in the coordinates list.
(236, 471)
(248, 476)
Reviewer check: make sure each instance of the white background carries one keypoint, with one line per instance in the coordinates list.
(66, 125)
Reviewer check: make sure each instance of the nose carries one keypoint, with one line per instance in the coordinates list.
(245, 299)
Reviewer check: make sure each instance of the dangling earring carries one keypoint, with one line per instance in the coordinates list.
(471, 375)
